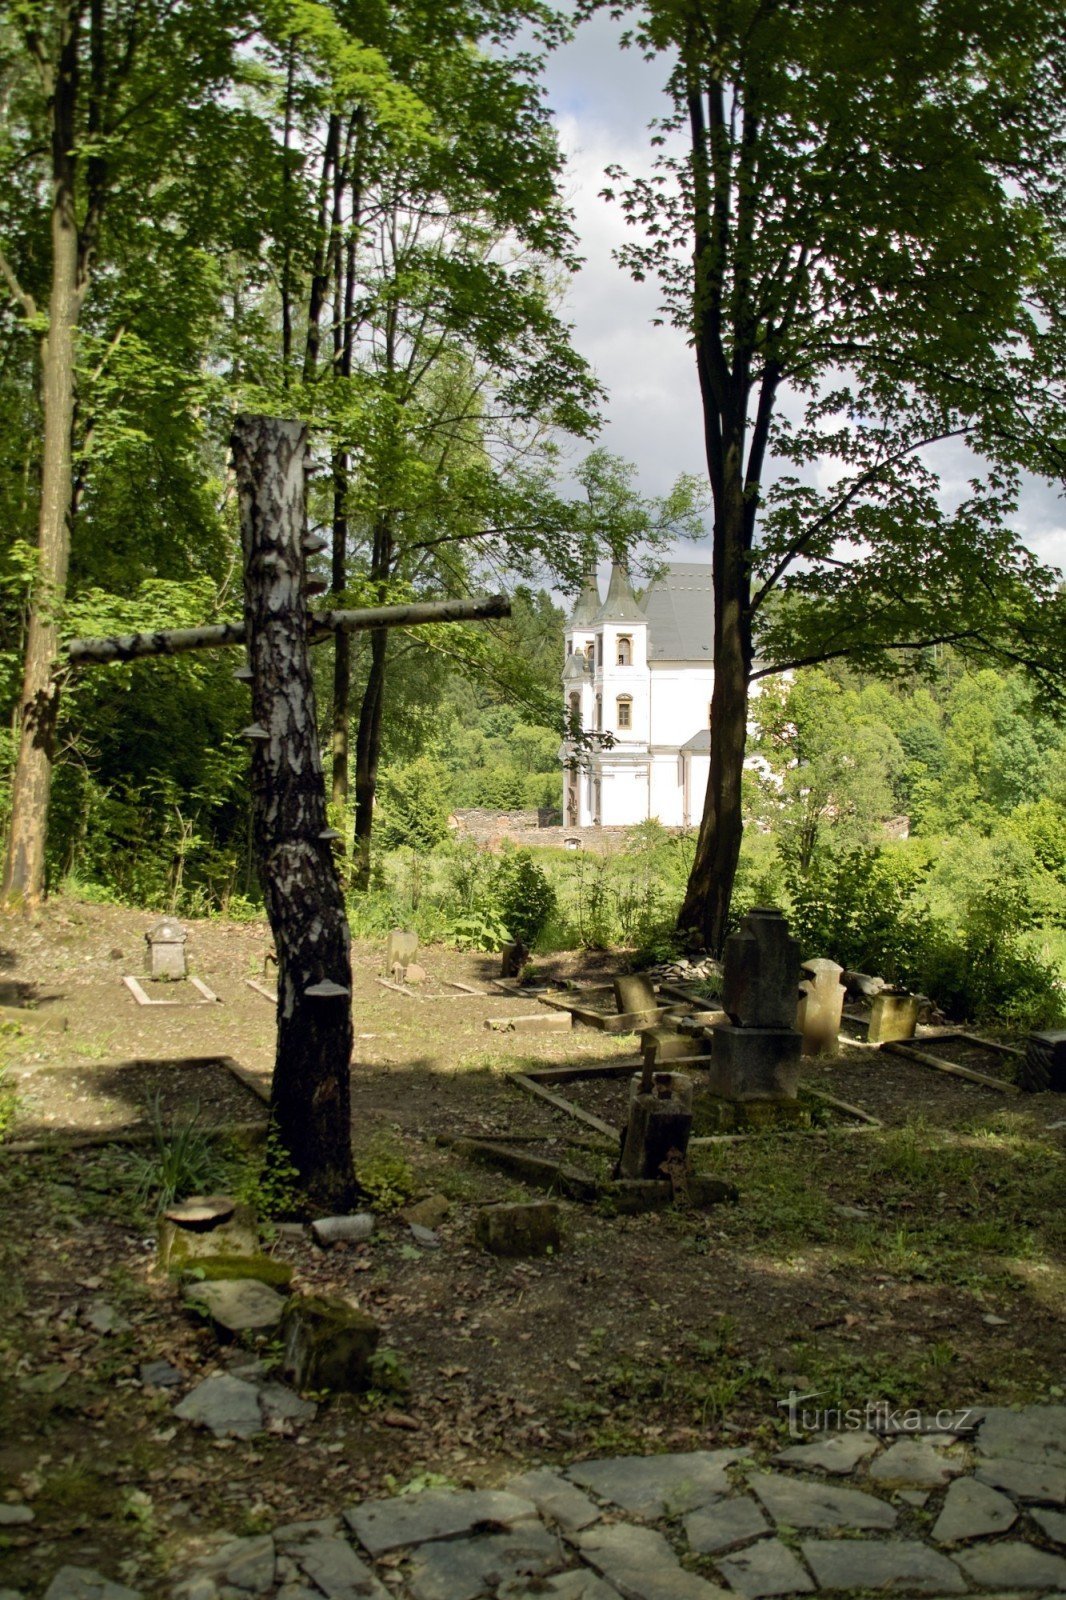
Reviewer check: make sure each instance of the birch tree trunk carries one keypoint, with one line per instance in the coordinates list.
(310, 1097)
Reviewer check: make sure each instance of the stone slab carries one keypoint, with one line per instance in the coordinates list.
(237, 1305)
(973, 1510)
(463, 1569)
(724, 1525)
(642, 1565)
(834, 1452)
(577, 1584)
(1026, 1480)
(799, 1504)
(889, 1565)
(14, 1516)
(554, 1497)
(333, 1566)
(407, 1520)
(1032, 1433)
(228, 1406)
(755, 1063)
(766, 1568)
(658, 1486)
(913, 1464)
(1050, 1523)
(1022, 1566)
(83, 1583)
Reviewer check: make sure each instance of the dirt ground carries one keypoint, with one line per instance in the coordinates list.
(920, 1263)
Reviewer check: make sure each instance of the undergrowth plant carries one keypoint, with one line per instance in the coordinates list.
(183, 1158)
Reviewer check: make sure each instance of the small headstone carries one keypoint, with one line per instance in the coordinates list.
(415, 974)
(343, 1230)
(527, 1229)
(892, 1016)
(513, 958)
(401, 951)
(820, 1007)
(166, 949)
(635, 994)
(1044, 1067)
(241, 1305)
(761, 979)
(327, 1343)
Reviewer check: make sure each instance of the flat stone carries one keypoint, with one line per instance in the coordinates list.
(914, 1497)
(279, 1405)
(103, 1318)
(883, 1564)
(160, 1375)
(1026, 1480)
(82, 1583)
(658, 1486)
(462, 1569)
(426, 1237)
(1051, 1523)
(383, 1525)
(332, 1564)
(237, 1305)
(555, 1498)
(972, 1510)
(245, 1564)
(14, 1516)
(724, 1525)
(799, 1504)
(529, 1228)
(343, 1230)
(835, 1452)
(1022, 1566)
(16, 1594)
(913, 1464)
(578, 1584)
(1033, 1433)
(307, 1528)
(766, 1568)
(228, 1406)
(642, 1565)
(429, 1212)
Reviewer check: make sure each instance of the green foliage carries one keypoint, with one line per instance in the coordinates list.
(8, 1105)
(383, 1173)
(183, 1159)
(414, 806)
(270, 1185)
(863, 909)
(523, 895)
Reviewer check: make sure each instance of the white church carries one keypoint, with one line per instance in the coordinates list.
(641, 671)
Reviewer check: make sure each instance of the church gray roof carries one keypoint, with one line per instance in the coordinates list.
(679, 610)
(587, 604)
(621, 604)
(699, 741)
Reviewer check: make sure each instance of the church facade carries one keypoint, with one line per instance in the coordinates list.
(641, 672)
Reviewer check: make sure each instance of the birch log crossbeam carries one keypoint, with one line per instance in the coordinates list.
(213, 636)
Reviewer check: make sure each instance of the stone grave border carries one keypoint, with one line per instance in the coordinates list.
(57, 1140)
(925, 1058)
(207, 996)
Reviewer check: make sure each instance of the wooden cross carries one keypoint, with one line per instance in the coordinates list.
(310, 1094)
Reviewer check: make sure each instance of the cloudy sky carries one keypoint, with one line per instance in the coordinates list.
(603, 99)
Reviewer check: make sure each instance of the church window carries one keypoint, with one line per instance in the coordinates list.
(569, 647)
(575, 714)
(625, 650)
(599, 713)
(599, 649)
(625, 711)
(709, 710)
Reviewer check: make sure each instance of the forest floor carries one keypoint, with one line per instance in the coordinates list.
(920, 1263)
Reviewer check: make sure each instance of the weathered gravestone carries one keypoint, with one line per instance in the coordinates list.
(820, 1008)
(756, 1055)
(659, 1124)
(893, 1015)
(166, 949)
(402, 949)
(635, 996)
(1044, 1066)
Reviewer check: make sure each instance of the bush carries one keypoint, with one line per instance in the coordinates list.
(861, 908)
(523, 896)
(414, 806)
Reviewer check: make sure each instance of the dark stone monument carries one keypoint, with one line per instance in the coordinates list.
(756, 1055)
(1044, 1066)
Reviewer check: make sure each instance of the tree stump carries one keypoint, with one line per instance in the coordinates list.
(310, 1098)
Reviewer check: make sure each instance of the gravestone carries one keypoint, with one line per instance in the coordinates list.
(635, 995)
(166, 949)
(893, 1015)
(659, 1125)
(1044, 1066)
(756, 1055)
(402, 949)
(820, 1008)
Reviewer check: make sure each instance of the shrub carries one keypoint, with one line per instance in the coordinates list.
(861, 908)
(523, 896)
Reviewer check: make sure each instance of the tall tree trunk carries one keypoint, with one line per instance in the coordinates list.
(705, 909)
(23, 883)
(367, 756)
(342, 643)
(310, 1096)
